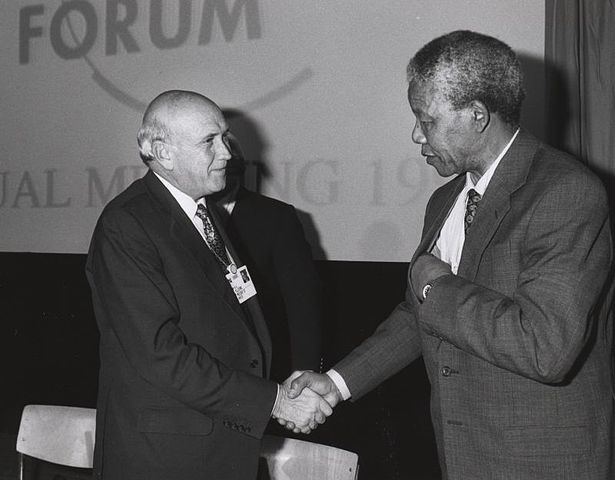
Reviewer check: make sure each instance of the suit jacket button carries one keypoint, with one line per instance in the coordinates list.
(254, 363)
(445, 371)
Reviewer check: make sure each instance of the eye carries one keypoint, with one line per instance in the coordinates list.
(426, 125)
(207, 141)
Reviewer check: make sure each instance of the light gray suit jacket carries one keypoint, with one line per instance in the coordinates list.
(516, 345)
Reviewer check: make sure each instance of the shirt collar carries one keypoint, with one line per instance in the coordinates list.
(483, 182)
(186, 202)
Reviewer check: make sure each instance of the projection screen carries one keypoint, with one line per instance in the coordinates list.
(315, 91)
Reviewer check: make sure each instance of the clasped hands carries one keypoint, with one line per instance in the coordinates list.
(305, 400)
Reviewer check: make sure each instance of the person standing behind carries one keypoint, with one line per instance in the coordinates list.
(269, 237)
(505, 290)
(184, 350)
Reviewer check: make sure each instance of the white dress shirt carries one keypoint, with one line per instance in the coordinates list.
(189, 206)
(450, 242)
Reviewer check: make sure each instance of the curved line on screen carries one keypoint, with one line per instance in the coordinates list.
(280, 92)
(135, 104)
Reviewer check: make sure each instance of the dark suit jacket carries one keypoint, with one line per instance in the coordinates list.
(516, 350)
(270, 239)
(181, 387)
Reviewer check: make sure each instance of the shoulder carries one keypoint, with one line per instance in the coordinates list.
(127, 206)
(555, 171)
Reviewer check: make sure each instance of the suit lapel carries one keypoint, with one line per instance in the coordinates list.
(183, 230)
(510, 175)
(253, 314)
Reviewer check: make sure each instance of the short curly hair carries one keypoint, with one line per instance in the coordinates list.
(468, 66)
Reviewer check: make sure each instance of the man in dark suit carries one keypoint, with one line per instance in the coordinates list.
(269, 238)
(184, 349)
(504, 298)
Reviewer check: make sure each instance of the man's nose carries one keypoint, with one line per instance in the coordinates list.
(224, 151)
(417, 134)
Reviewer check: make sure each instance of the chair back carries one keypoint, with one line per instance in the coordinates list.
(62, 435)
(290, 459)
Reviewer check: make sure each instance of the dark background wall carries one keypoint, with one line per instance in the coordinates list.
(49, 355)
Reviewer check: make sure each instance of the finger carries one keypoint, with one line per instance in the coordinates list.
(332, 399)
(290, 425)
(295, 374)
(281, 421)
(320, 417)
(325, 408)
(298, 384)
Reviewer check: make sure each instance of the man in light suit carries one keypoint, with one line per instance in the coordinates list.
(505, 290)
(184, 349)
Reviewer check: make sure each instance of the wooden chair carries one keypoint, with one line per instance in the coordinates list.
(60, 435)
(290, 459)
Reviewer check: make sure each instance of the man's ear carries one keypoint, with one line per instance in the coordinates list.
(162, 154)
(480, 115)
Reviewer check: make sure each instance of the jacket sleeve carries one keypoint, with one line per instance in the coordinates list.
(558, 262)
(393, 346)
(134, 300)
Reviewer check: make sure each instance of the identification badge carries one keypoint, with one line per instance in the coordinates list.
(241, 283)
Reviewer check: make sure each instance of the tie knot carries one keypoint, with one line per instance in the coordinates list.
(473, 196)
(201, 211)
(473, 199)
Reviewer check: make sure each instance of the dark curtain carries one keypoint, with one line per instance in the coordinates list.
(580, 61)
(580, 94)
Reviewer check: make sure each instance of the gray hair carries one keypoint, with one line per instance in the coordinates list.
(155, 119)
(150, 131)
(467, 66)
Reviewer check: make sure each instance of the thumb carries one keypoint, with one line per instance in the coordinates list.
(297, 385)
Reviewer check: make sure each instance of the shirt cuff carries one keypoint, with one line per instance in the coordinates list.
(339, 383)
(277, 399)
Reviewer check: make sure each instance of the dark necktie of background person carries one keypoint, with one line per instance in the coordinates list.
(212, 236)
(473, 199)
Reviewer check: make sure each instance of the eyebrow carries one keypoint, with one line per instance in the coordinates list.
(213, 135)
(420, 113)
(207, 138)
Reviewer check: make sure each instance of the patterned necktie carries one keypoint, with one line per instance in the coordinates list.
(212, 236)
(473, 199)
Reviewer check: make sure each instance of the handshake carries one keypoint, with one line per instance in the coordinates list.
(305, 400)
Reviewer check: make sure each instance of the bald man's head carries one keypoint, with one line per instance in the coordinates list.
(161, 114)
(183, 139)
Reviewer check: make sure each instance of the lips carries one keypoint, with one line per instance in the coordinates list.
(219, 166)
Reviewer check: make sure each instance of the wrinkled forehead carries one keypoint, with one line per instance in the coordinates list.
(420, 95)
(198, 119)
(427, 96)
